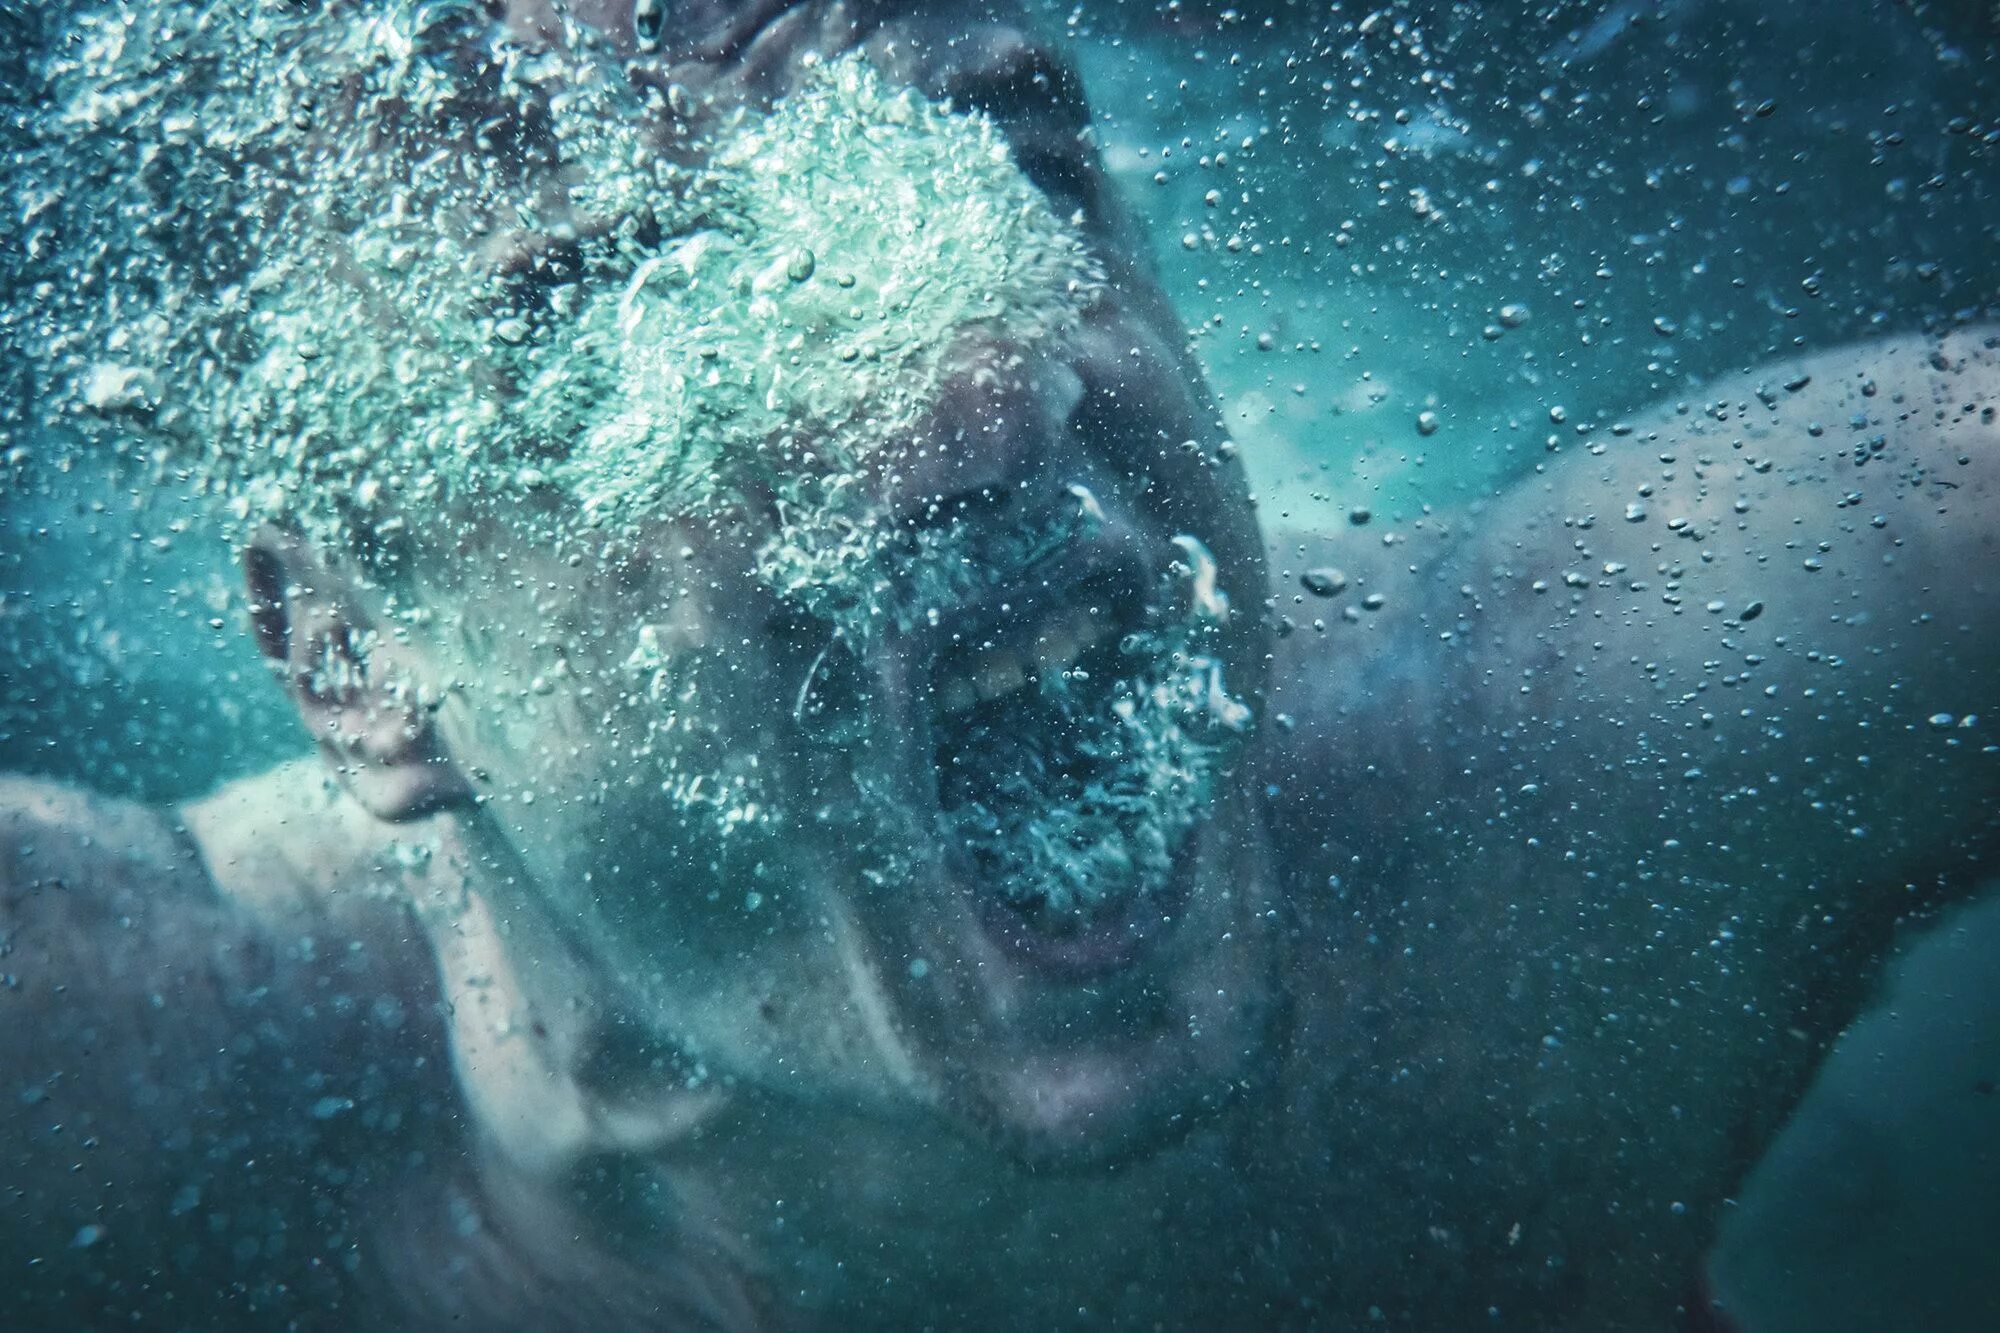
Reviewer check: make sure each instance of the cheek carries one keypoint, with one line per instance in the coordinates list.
(546, 686)
(676, 714)
(635, 780)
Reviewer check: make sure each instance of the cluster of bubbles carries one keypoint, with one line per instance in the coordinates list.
(1091, 789)
(352, 263)
(1143, 773)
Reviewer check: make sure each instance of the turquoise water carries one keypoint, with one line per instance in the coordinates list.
(1422, 251)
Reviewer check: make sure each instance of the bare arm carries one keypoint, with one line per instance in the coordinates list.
(1627, 802)
(244, 1102)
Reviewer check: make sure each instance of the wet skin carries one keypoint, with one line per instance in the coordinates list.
(1508, 941)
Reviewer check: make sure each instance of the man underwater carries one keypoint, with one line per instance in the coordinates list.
(815, 820)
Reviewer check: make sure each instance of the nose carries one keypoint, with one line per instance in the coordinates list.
(994, 427)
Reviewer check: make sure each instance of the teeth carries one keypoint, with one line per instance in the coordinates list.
(1057, 642)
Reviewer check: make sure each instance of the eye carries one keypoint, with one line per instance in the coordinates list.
(1068, 178)
(1036, 98)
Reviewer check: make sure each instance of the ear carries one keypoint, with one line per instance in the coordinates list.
(357, 690)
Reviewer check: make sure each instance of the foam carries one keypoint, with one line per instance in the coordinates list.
(1160, 750)
(292, 256)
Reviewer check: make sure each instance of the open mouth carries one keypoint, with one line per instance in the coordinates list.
(1077, 739)
(1067, 676)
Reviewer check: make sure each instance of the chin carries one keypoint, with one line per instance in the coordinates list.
(1126, 1056)
(1076, 1045)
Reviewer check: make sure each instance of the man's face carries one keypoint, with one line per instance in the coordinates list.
(932, 791)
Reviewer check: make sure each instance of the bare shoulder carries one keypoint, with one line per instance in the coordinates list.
(83, 850)
(103, 902)
(288, 845)
(219, 1021)
(1792, 487)
(31, 806)
(108, 904)
(1905, 423)
(1832, 512)
(274, 851)
(174, 1059)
